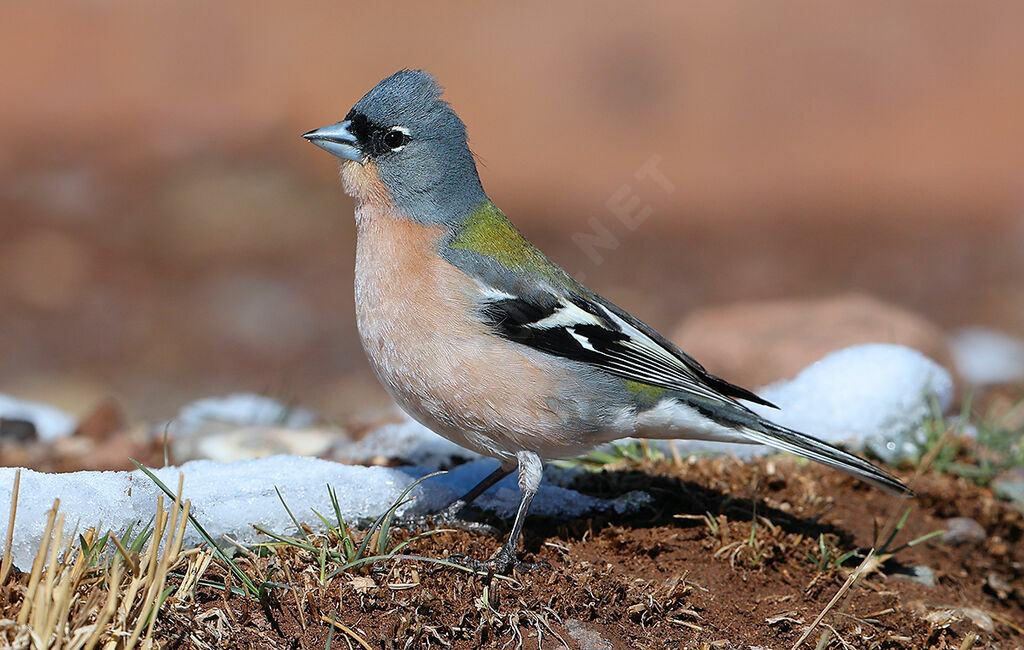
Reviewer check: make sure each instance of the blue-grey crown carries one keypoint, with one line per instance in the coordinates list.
(435, 180)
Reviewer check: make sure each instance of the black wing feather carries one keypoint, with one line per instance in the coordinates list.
(605, 345)
(719, 384)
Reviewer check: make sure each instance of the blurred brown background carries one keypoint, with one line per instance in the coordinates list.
(166, 234)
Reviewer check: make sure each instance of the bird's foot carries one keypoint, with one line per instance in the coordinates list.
(504, 562)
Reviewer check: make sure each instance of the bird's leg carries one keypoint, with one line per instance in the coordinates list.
(506, 559)
(452, 511)
(451, 515)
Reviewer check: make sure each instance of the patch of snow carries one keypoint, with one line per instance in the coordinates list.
(229, 498)
(408, 441)
(985, 357)
(241, 409)
(50, 423)
(874, 394)
(588, 637)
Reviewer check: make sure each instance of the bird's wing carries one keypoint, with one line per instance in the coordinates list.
(527, 298)
(590, 329)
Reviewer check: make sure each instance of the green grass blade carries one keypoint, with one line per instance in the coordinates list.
(288, 541)
(348, 546)
(290, 515)
(250, 586)
(389, 515)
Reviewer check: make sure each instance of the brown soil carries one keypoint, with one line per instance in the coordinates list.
(663, 578)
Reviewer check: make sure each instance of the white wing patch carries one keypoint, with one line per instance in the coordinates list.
(566, 316)
(582, 340)
(491, 293)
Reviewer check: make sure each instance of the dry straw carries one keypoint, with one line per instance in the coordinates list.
(76, 597)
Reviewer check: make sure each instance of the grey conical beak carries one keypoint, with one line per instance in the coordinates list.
(336, 140)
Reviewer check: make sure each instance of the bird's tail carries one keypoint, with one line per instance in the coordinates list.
(773, 435)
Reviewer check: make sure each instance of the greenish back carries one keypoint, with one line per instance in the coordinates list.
(487, 232)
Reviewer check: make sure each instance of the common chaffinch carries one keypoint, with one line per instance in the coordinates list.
(484, 340)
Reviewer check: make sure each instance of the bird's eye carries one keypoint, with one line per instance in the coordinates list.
(395, 138)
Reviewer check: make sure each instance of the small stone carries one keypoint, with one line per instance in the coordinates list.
(963, 530)
(1009, 485)
(116, 451)
(588, 638)
(101, 422)
(943, 616)
(238, 410)
(924, 575)
(48, 422)
(986, 357)
(1005, 587)
(999, 585)
(19, 431)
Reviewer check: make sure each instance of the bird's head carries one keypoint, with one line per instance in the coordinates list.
(403, 139)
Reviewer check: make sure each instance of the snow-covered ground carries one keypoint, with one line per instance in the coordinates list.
(231, 498)
(875, 394)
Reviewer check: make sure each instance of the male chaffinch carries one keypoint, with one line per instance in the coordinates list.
(484, 340)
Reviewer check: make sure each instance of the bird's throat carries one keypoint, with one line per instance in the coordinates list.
(362, 182)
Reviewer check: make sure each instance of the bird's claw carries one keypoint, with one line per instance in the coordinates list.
(502, 563)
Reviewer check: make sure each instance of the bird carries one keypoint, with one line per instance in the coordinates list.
(483, 339)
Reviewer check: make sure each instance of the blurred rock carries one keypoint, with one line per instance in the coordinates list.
(963, 530)
(921, 574)
(116, 453)
(237, 410)
(945, 615)
(985, 357)
(71, 447)
(234, 444)
(999, 585)
(1009, 485)
(101, 421)
(245, 426)
(17, 431)
(48, 422)
(756, 343)
(588, 637)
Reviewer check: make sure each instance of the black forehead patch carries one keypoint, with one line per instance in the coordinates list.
(369, 134)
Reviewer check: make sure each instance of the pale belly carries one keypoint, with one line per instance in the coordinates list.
(470, 387)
